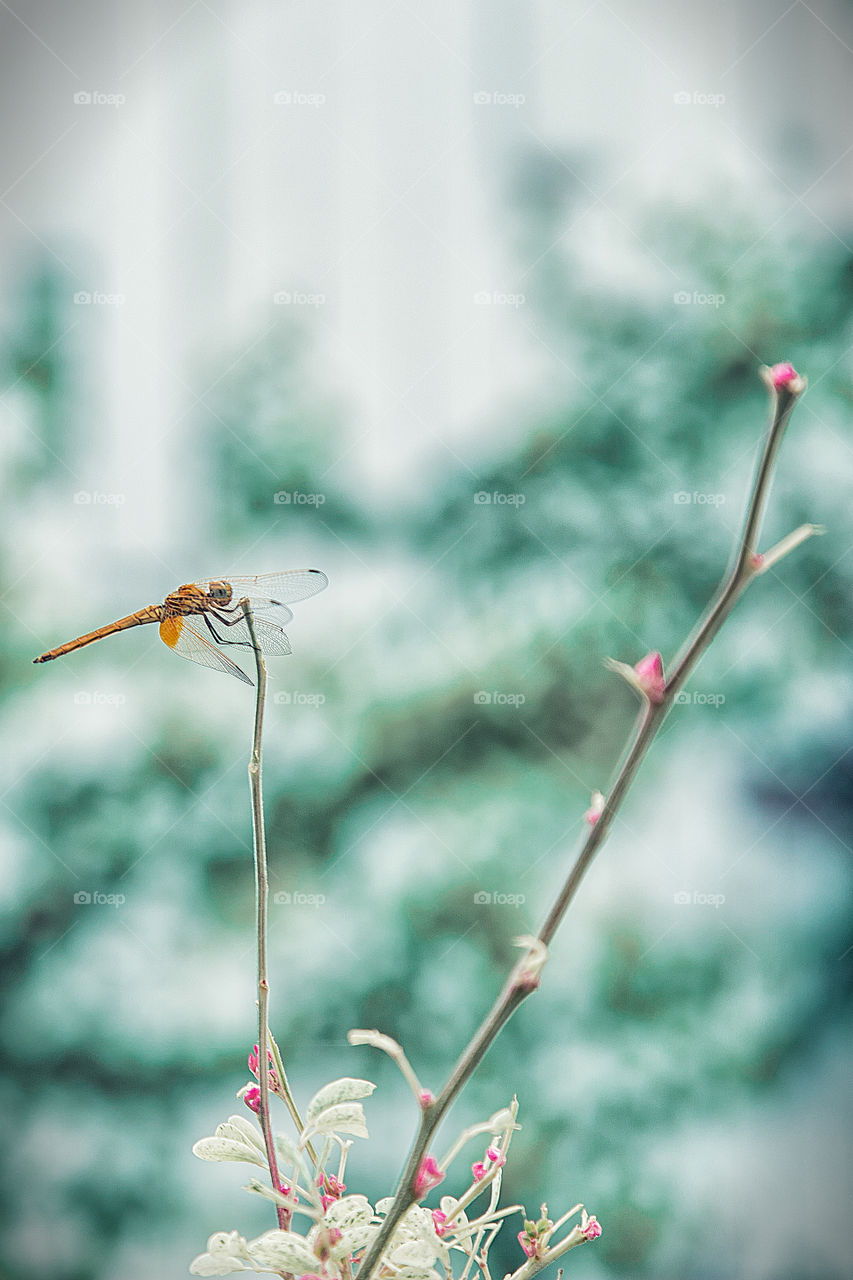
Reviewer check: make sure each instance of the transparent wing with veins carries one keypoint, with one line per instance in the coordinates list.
(268, 595)
(182, 638)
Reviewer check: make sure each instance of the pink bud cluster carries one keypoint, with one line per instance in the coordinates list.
(331, 1189)
(481, 1167)
(429, 1175)
(251, 1094)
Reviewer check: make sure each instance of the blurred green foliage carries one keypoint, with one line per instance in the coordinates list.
(125, 1033)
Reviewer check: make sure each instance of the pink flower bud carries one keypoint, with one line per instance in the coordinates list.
(595, 809)
(253, 1064)
(426, 1099)
(439, 1222)
(325, 1240)
(331, 1188)
(650, 677)
(428, 1176)
(478, 1169)
(527, 1244)
(493, 1154)
(591, 1228)
(782, 374)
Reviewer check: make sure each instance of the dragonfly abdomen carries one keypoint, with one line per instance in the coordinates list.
(153, 613)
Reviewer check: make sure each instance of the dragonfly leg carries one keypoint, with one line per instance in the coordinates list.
(221, 639)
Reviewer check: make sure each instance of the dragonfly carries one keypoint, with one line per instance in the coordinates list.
(201, 619)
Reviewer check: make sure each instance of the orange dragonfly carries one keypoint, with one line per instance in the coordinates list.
(218, 621)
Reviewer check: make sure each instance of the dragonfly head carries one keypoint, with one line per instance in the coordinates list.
(220, 592)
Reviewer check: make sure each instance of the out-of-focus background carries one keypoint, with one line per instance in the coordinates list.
(463, 303)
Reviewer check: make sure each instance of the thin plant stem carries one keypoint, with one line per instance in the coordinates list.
(262, 910)
(520, 982)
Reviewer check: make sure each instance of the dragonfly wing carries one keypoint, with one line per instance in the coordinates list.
(274, 588)
(271, 639)
(183, 639)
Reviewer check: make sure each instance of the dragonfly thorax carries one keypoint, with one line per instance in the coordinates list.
(220, 592)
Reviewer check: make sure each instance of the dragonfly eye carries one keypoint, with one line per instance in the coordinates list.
(220, 591)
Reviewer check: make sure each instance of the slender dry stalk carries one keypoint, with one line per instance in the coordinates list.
(262, 892)
(524, 978)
